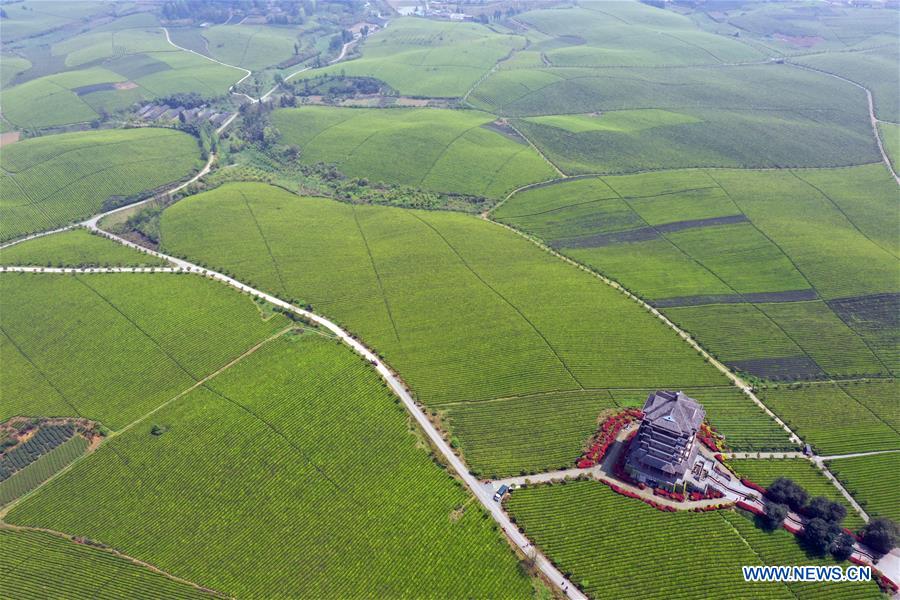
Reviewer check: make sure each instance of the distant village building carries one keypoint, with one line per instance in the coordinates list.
(665, 445)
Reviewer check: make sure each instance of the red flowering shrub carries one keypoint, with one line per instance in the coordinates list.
(750, 508)
(605, 436)
(753, 486)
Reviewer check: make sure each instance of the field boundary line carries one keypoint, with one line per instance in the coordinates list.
(266, 243)
(387, 305)
(203, 381)
(734, 378)
(538, 150)
(502, 297)
(840, 210)
(866, 406)
(388, 375)
(858, 454)
(110, 550)
(872, 118)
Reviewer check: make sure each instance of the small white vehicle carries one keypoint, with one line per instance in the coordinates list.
(504, 489)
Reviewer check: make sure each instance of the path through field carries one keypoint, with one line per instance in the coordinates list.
(393, 381)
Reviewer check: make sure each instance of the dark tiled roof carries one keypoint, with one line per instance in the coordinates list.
(670, 421)
(673, 411)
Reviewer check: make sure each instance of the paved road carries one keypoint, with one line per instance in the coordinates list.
(209, 58)
(481, 492)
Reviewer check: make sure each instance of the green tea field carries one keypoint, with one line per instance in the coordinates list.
(42, 565)
(536, 319)
(402, 299)
(53, 180)
(606, 542)
(798, 282)
(418, 57)
(113, 347)
(839, 418)
(76, 248)
(443, 150)
(873, 481)
(303, 426)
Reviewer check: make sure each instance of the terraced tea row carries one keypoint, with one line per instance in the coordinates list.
(53, 180)
(113, 347)
(41, 565)
(873, 481)
(796, 282)
(306, 430)
(608, 543)
(75, 248)
(444, 150)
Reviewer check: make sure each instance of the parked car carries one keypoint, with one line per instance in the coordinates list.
(504, 489)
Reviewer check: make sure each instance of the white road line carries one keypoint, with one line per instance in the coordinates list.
(397, 386)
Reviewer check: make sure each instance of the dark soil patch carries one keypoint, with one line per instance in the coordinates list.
(779, 369)
(769, 297)
(691, 224)
(96, 87)
(607, 239)
(643, 234)
(876, 312)
(502, 127)
(135, 66)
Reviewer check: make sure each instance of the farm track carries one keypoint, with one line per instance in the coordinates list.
(387, 374)
(872, 118)
(746, 388)
(118, 554)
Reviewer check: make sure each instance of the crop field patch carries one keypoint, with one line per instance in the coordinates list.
(75, 248)
(253, 47)
(498, 437)
(490, 317)
(42, 469)
(752, 290)
(149, 337)
(420, 57)
(832, 420)
(783, 368)
(42, 565)
(606, 541)
(310, 432)
(442, 150)
(873, 481)
(52, 180)
(135, 66)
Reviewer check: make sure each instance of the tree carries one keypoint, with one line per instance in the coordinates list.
(823, 508)
(818, 534)
(842, 546)
(786, 491)
(365, 31)
(774, 517)
(881, 534)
